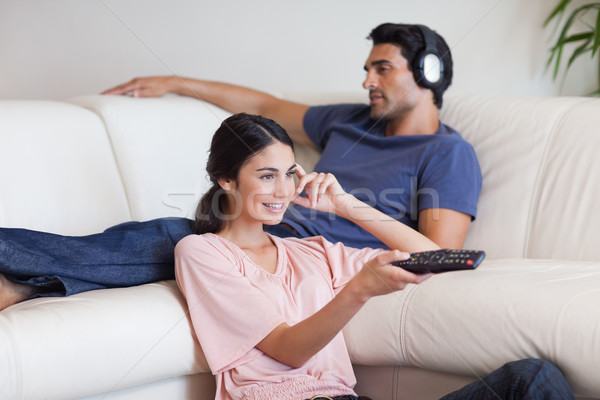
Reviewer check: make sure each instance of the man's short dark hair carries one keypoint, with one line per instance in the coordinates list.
(410, 40)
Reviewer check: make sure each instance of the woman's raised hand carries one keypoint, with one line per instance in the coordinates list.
(323, 192)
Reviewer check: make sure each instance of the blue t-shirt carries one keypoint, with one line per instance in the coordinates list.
(399, 175)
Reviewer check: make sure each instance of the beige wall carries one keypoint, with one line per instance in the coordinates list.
(54, 49)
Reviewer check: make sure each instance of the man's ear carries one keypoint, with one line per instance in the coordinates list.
(227, 184)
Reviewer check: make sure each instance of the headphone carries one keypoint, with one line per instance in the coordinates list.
(428, 66)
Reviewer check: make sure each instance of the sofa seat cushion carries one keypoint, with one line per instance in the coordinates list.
(472, 322)
(96, 342)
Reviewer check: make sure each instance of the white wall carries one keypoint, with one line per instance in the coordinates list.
(54, 49)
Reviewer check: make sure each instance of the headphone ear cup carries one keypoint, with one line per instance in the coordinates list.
(430, 70)
(428, 66)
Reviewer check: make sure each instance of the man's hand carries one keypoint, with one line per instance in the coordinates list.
(154, 86)
(232, 98)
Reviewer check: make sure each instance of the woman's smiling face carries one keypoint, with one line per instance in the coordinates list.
(265, 185)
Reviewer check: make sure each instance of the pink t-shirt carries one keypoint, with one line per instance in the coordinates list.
(234, 304)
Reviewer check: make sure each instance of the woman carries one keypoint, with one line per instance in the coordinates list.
(278, 294)
(268, 312)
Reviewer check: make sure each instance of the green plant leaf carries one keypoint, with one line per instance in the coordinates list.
(575, 38)
(557, 63)
(570, 21)
(586, 40)
(560, 8)
(596, 35)
(557, 50)
(583, 48)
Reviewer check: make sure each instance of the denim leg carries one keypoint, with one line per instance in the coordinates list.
(128, 254)
(530, 379)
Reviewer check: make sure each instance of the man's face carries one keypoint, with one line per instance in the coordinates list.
(393, 92)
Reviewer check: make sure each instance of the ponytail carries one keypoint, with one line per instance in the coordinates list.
(209, 210)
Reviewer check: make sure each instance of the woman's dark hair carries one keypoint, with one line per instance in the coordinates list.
(238, 139)
(410, 40)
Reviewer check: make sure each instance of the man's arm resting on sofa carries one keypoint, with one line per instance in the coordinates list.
(447, 228)
(232, 98)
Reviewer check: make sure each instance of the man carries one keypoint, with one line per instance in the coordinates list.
(427, 177)
(393, 154)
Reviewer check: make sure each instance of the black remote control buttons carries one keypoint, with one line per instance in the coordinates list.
(442, 260)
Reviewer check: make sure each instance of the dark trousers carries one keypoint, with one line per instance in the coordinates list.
(526, 379)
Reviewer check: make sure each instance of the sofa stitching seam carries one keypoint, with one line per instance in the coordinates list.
(16, 358)
(402, 327)
(532, 214)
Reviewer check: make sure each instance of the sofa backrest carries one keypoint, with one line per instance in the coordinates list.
(57, 170)
(541, 174)
(81, 167)
(160, 147)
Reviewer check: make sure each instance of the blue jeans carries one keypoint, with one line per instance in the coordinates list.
(129, 254)
(528, 379)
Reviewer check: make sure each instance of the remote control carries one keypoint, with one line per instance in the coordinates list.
(443, 260)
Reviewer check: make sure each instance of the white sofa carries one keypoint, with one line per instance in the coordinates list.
(80, 166)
